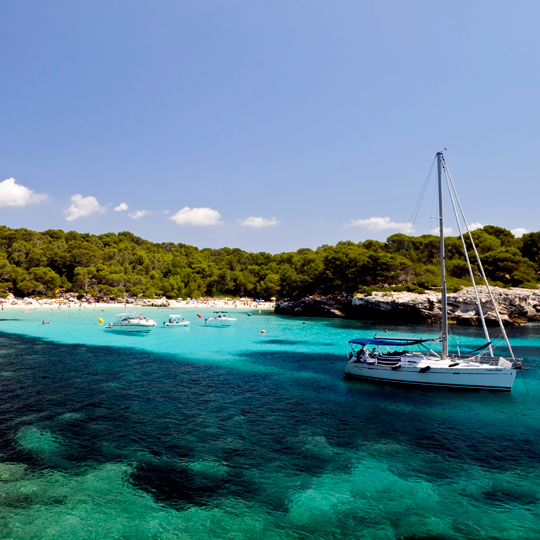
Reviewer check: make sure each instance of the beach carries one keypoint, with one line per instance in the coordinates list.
(64, 304)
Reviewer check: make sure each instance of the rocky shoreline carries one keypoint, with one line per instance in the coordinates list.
(516, 306)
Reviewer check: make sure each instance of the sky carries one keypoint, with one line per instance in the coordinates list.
(268, 126)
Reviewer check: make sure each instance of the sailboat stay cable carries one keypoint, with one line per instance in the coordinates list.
(479, 304)
(480, 267)
(414, 214)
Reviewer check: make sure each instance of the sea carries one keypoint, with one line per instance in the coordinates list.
(234, 433)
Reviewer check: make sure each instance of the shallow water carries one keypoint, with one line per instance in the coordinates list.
(203, 433)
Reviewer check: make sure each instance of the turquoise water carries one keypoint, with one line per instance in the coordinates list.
(202, 433)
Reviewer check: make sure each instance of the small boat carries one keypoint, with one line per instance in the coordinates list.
(221, 319)
(477, 369)
(176, 321)
(132, 322)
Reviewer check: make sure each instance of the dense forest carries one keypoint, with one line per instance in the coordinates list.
(115, 265)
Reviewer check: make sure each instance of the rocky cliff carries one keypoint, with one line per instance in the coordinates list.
(515, 306)
(335, 305)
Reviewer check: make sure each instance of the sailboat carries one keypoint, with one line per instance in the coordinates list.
(372, 358)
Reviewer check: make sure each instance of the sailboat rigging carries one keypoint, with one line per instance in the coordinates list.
(473, 370)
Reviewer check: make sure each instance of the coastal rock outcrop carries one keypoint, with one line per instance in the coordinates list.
(515, 306)
(335, 305)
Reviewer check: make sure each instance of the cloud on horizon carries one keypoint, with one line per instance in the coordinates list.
(82, 207)
(257, 222)
(448, 231)
(519, 232)
(379, 224)
(13, 194)
(122, 207)
(138, 214)
(202, 217)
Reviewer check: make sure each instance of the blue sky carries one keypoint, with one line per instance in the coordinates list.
(268, 126)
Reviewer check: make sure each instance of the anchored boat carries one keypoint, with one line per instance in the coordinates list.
(390, 358)
(221, 319)
(176, 321)
(131, 322)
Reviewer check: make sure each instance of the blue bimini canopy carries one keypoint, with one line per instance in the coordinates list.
(390, 342)
(478, 349)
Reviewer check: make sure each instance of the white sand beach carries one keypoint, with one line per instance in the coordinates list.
(72, 303)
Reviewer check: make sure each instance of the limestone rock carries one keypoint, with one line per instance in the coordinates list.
(336, 305)
(515, 306)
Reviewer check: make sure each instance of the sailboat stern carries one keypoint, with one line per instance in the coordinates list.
(504, 363)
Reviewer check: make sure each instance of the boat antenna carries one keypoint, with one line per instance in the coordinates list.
(444, 300)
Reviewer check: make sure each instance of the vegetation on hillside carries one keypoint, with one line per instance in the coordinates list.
(116, 265)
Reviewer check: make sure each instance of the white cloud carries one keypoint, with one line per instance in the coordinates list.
(83, 206)
(378, 224)
(259, 222)
(139, 214)
(519, 232)
(197, 216)
(166, 211)
(122, 207)
(13, 194)
(448, 231)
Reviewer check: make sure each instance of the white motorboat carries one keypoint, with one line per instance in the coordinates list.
(479, 369)
(176, 321)
(221, 319)
(132, 322)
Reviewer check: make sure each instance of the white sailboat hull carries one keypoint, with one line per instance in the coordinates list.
(486, 377)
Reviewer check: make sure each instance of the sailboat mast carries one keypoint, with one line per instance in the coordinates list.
(444, 300)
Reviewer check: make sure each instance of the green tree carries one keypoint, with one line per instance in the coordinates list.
(48, 279)
(507, 266)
